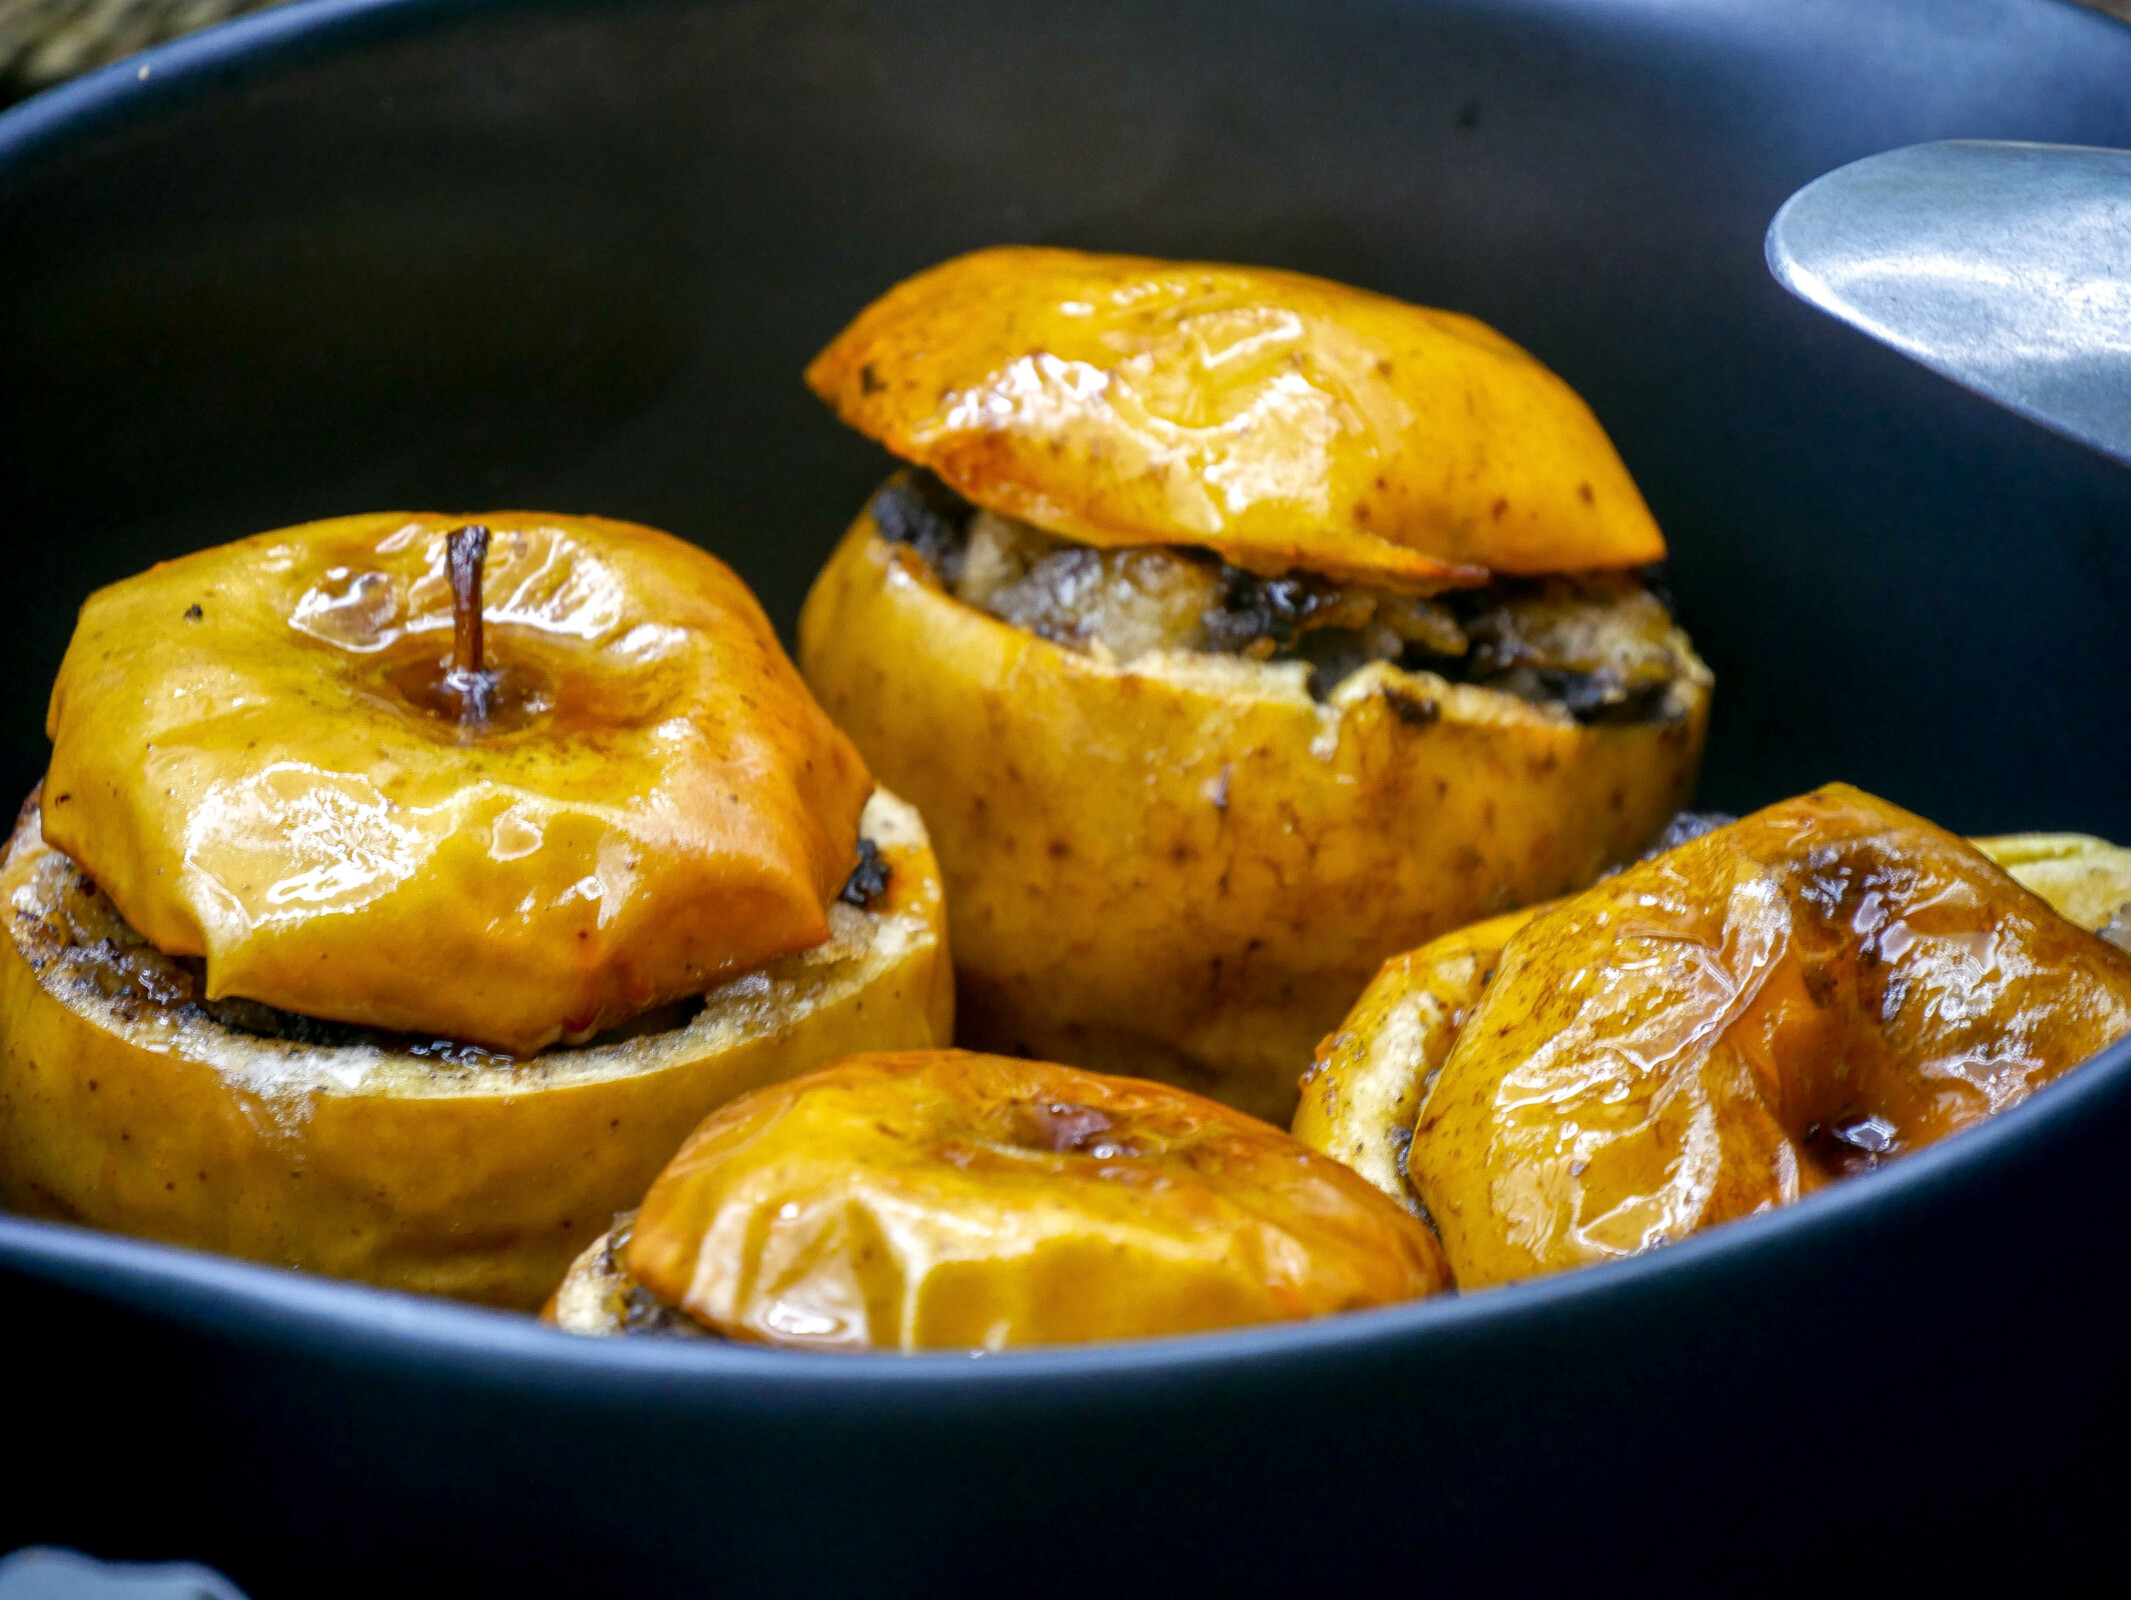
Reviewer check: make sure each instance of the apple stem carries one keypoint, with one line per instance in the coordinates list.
(465, 549)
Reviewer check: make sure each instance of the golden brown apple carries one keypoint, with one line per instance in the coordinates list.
(1823, 986)
(257, 755)
(947, 1200)
(1186, 866)
(404, 888)
(1253, 629)
(131, 1101)
(1286, 421)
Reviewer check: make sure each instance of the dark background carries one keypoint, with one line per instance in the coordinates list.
(574, 255)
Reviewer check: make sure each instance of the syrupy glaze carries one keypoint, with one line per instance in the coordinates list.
(545, 689)
(518, 691)
(567, 655)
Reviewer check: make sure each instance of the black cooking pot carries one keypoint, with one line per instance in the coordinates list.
(351, 255)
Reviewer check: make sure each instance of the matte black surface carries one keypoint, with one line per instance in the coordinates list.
(345, 256)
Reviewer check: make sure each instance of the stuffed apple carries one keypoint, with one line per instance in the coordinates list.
(401, 892)
(1233, 630)
(949, 1200)
(1781, 1003)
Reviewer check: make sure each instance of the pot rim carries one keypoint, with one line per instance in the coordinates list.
(260, 1303)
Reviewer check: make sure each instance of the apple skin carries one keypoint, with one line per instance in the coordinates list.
(1364, 1089)
(252, 758)
(1283, 420)
(948, 1200)
(1676, 1046)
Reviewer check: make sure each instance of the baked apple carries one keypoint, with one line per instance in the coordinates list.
(2085, 879)
(1233, 630)
(1783, 1002)
(374, 924)
(947, 1200)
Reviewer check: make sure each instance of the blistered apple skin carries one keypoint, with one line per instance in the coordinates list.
(480, 1181)
(1363, 1092)
(1188, 872)
(1675, 1047)
(951, 1200)
(248, 758)
(1283, 420)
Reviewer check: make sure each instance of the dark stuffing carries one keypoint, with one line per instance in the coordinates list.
(1602, 646)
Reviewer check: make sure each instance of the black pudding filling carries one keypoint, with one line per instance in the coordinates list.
(1600, 646)
(270, 1022)
(1684, 828)
(640, 1313)
(868, 880)
(867, 883)
(915, 508)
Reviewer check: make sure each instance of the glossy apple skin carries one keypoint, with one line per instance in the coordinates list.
(1672, 1048)
(949, 1200)
(1363, 1092)
(124, 1107)
(1283, 420)
(249, 757)
(1187, 869)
